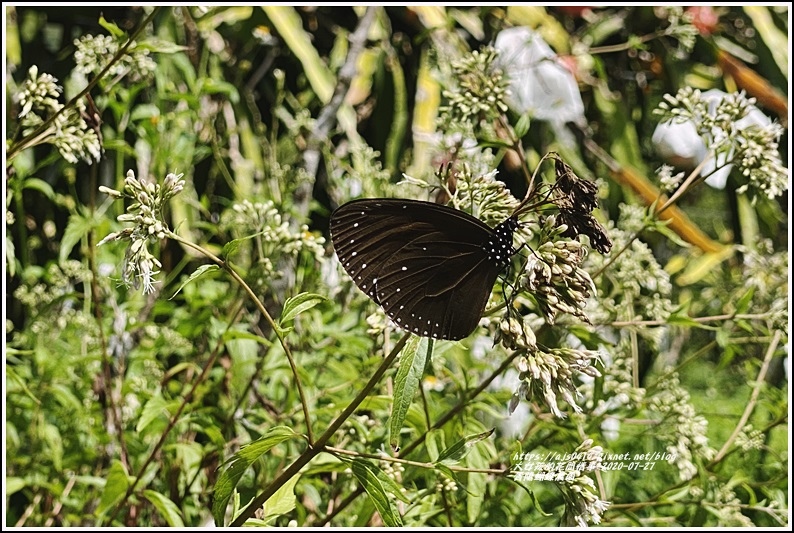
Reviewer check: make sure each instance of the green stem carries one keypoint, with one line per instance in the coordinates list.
(240, 281)
(319, 446)
(29, 140)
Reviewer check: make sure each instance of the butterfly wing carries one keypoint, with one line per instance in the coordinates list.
(423, 263)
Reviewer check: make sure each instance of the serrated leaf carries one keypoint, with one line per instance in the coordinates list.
(366, 473)
(231, 247)
(116, 485)
(458, 451)
(281, 502)
(298, 304)
(406, 383)
(165, 507)
(239, 462)
(155, 408)
(77, 227)
(200, 271)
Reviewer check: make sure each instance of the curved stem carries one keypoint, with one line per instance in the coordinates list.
(751, 403)
(319, 446)
(240, 281)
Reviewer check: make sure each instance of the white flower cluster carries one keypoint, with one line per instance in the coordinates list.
(94, 52)
(264, 219)
(724, 130)
(146, 212)
(68, 131)
(683, 428)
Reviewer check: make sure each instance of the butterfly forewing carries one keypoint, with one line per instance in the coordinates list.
(427, 265)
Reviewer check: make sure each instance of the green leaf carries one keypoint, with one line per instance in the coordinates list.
(522, 126)
(433, 442)
(155, 408)
(475, 485)
(458, 451)
(210, 86)
(53, 443)
(743, 305)
(298, 304)
(231, 247)
(447, 471)
(406, 382)
(238, 464)
(116, 486)
(367, 475)
(144, 112)
(111, 27)
(77, 227)
(165, 507)
(161, 46)
(200, 271)
(281, 502)
(14, 484)
(290, 27)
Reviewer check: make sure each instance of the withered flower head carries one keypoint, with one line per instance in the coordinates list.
(583, 223)
(571, 191)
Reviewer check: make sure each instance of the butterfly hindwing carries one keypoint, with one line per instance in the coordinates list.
(423, 263)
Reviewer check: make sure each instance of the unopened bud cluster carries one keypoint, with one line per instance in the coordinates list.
(70, 134)
(146, 213)
(548, 375)
(482, 90)
(553, 276)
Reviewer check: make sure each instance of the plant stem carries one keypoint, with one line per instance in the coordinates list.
(29, 140)
(319, 446)
(240, 281)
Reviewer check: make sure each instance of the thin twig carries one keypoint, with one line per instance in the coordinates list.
(312, 451)
(751, 403)
(34, 135)
(240, 281)
(171, 424)
(421, 464)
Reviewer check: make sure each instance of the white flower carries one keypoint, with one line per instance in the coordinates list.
(539, 83)
(679, 144)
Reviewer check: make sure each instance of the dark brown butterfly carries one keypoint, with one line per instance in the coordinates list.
(430, 267)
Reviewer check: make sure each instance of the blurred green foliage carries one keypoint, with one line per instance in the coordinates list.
(125, 408)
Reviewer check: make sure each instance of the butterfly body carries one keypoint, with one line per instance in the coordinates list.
(430, 267)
